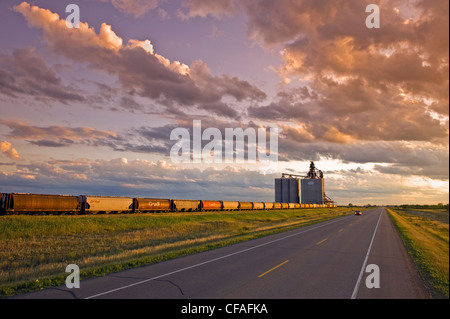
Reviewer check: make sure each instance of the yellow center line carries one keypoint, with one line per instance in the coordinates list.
(341, 230)
(273, 268)
(321, 241)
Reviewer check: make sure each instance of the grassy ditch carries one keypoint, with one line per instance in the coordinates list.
(35, 250)
(426, 234)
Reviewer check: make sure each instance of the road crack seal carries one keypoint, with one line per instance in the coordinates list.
(172, 283)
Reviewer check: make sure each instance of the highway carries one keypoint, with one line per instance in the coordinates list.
(322, 261)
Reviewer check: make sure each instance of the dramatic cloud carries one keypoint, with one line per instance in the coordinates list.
(366, 84)
(140, 70)
(58, 136)
(25, 72)
(358, 84)
(7, 149)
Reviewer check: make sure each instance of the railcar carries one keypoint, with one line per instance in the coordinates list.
(258, 206)
(268, 205)
(276, 205)
(245, 206)
(105, 204)
(14, 203)
(284, 205)
(210, 205)
(184, 205)
(230, 206)
(145, 205)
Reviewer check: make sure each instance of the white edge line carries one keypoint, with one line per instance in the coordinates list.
(213, 260)
(355, 291)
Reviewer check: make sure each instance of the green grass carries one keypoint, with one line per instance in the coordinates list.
(426, 236)
(35, 250)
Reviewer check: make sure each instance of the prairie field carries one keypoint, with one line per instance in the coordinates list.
(425, 233)
(35, 250)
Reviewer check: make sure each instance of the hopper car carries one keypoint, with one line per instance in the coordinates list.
(209, 205)
(40, 204)
(146, 205)
(105, 204)
(230, 206)
(185, 205)
(258, 206)
(276, 205)
(245, 206)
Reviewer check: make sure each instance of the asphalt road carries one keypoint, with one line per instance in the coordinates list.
(326, 260)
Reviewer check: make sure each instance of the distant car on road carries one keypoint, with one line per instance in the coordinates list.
(358, 212)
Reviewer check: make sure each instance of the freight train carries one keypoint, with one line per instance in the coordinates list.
(39, 204)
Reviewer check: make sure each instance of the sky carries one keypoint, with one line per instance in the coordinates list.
(92, 110)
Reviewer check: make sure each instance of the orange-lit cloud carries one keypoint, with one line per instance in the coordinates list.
(54, 26)
(9, 151)
(21, 130)
(356, 73)
(353, 74)
(57, 136)
(138, 67)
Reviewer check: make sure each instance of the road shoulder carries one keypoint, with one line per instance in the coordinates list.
(398, 276)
